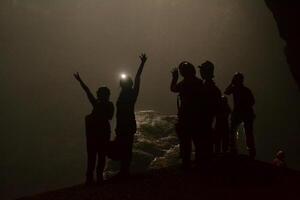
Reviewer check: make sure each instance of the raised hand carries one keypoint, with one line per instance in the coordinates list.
(90, 96)
(175, 73)
(143, 57)
(175, 76)
(77, 76)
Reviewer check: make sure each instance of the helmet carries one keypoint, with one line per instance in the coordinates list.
(126, 82)
(238, 78)
(187, 69)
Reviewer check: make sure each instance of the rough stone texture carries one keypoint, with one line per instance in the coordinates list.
(226, 177)
(287, 15)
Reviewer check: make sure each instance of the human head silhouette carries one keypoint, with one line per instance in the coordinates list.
(238, 79)
(187, 69)
(103, 93)
(126, 83)
(207, 70)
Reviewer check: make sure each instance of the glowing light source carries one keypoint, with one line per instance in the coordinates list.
(123, 76)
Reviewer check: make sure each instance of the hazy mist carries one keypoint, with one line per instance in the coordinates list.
(43, 42)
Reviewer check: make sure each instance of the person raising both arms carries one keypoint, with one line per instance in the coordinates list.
(126, 123)
(98, 130)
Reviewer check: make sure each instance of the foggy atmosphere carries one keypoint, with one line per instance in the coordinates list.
(43, 43)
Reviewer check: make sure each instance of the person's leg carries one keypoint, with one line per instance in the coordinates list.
(208, 142)
(225, 139)
(185, 143)
(217, 141)
(91, 150)
(91, 162)
(235, 123)
(207, 148)
(103, 150)
(250, 137)
(100, 166)
(179, 133)
(197, 143)
(127, 156)
(204, 151)
(186, 150)
(204, 145)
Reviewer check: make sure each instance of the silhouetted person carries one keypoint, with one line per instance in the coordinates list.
(98, 130)
(221, 133)
(189, 110)
(126, 123)
(211, 96)
(242, 112)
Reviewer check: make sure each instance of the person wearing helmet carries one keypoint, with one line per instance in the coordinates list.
(211, 106)
(126, 123)
(242, 112)
(189, 110)
(98, 130)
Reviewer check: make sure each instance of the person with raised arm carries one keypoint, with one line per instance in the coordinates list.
(98, 130)
(126, 123)
(189, 124)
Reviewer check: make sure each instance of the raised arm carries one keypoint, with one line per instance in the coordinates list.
(229, 89)
(174, 85)
(90, 96)
(111, 111)
(137, 80)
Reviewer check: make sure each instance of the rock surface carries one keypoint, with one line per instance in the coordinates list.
(226, 177)
(287, 15)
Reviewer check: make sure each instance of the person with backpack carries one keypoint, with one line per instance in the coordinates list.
(98, 130)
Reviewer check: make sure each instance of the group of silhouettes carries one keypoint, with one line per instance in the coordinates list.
(203, 119)
(204, 114)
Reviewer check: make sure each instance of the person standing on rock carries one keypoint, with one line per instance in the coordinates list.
(242, 112)
(211, 99)
(126, 123)
(98, 130)
(189, 110)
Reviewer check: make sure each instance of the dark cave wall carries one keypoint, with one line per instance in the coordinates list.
(287, 16)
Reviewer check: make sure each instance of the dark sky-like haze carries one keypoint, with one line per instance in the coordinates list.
(42, 43)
